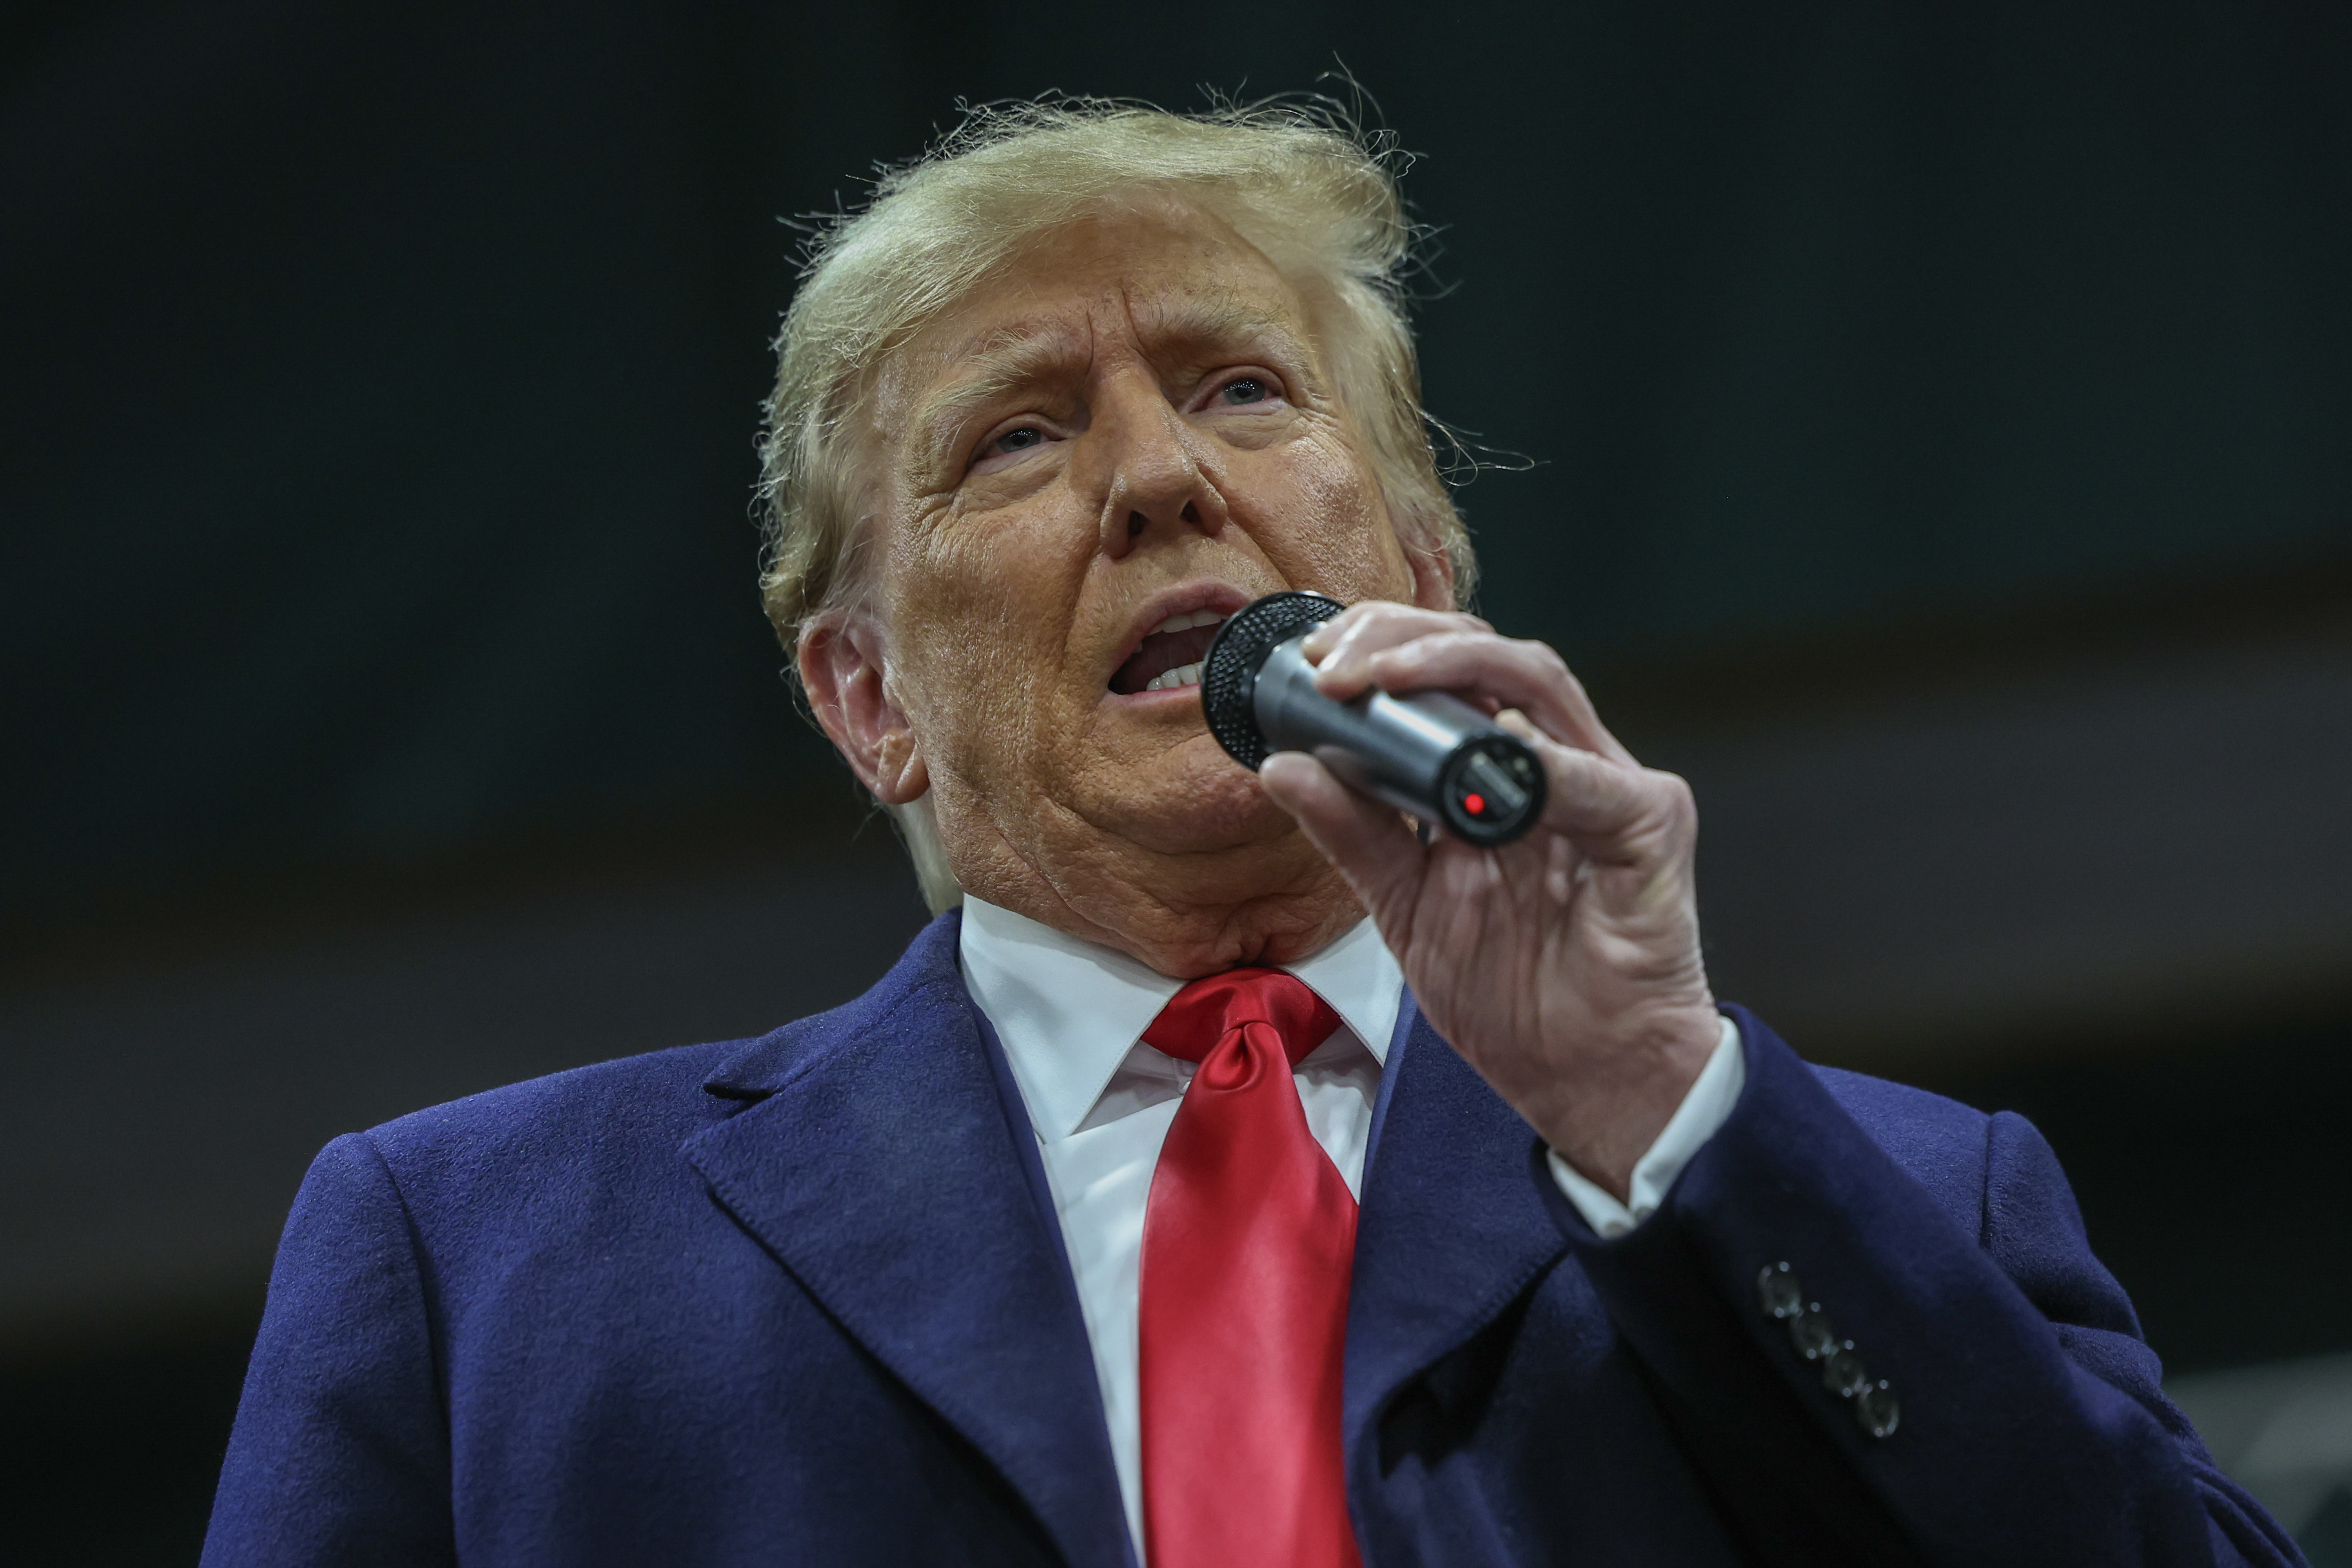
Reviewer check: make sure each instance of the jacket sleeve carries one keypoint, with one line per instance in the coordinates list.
(2018, 1414)
(341, 1452)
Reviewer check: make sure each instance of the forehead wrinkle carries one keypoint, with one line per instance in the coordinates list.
(1218, 320)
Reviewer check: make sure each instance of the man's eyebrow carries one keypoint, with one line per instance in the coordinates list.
(1015, 357)
(1006, 360)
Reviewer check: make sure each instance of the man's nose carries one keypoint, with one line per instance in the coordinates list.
(1149, 473)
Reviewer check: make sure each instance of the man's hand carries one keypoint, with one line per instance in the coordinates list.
(1564, 967)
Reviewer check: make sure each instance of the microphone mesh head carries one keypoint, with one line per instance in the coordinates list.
(1229, 673)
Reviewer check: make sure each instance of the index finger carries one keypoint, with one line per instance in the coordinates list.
(1510, 672)
(1342, 648)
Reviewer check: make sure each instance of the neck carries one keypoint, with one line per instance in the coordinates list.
(1183, 916)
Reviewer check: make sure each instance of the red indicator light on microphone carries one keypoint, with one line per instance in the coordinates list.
(1475, 804)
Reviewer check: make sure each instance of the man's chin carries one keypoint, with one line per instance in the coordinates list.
(1195, 811)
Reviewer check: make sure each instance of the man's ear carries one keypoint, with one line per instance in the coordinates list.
(845, 668)
(1433, 576)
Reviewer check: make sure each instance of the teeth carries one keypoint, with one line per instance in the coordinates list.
(1186, 622)
(1183, 675)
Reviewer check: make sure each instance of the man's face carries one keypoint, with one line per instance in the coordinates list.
(1124, 438)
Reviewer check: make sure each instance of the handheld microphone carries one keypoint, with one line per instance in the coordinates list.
(1426, 753)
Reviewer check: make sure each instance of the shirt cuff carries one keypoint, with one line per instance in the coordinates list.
(1704, 1110)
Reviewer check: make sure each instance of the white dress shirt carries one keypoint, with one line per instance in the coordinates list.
(1071, 1014)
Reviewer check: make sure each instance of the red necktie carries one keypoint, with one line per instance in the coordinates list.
(1248, 1240)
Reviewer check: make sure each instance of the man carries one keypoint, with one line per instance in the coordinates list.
(1160, 1205)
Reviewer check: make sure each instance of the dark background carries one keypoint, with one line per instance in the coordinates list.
(1929, 429)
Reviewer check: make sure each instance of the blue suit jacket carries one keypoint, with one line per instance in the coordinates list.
(798, 1299)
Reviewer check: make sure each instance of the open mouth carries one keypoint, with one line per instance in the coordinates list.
(1169, 655)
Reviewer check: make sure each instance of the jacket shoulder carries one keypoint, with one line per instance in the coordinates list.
(653, 1093)
(552, 1155)
(609, 1135)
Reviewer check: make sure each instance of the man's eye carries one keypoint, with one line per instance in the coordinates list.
(1018, 440)
(1245, 389)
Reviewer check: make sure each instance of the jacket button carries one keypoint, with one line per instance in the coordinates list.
(1778, 1292)
(1877, 1408)
(1811, 1334)
(1843, 1372)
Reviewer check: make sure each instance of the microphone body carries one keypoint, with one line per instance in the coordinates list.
(1426, 753)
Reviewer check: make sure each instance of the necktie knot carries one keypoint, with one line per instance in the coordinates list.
(1206, 1011)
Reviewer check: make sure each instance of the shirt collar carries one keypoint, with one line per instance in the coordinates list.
(1070, 1011)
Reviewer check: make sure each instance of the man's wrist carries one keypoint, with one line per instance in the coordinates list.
(1602, 1123)
(1705, 1107)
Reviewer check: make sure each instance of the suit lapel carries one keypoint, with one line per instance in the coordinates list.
(1451, 1231)
(878, 1163)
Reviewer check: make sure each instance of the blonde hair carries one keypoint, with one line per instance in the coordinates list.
(1295, 179)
